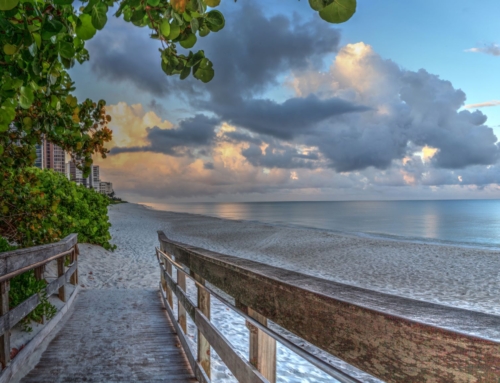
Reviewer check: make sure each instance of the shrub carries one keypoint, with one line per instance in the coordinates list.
(39, 207)
(42, 206)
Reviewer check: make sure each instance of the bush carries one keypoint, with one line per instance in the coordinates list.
(42, 206)
(39, 207)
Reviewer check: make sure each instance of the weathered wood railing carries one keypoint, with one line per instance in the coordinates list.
(393, 338)
(13, 263)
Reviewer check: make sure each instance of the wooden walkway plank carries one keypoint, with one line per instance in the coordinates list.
(114, 336)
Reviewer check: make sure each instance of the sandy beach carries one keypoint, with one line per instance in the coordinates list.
(460, 277)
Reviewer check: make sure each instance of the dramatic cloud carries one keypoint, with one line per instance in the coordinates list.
(191, 133)
(120, 53)
(483, 104)
(286, 120)
(492, 49)
(407, 108)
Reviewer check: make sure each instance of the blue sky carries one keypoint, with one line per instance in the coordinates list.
(357, 110)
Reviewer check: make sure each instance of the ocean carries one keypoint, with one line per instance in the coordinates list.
(473, 223)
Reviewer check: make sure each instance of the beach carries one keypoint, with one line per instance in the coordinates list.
(456, 276)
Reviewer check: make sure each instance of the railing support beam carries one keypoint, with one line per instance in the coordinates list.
(262, 350)
(60, 273)
(74, 258)
(203, 344)
(181, 280)
(5, 338)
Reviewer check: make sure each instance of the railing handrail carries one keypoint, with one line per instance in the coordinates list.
(326, 314)
(15, 262)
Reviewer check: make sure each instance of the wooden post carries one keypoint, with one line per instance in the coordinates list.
(262, 348)
(74, 257)
(39, 272)
(5, 338)
(169, 290)
(204, 307)
(181, 281)
(60, 272)
(162, 277)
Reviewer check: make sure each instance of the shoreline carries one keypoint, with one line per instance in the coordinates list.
(368, 235)
(467, 278)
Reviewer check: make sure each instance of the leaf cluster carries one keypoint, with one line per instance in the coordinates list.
(40, 41)
(334, 11)
(179, 22)
(43, 206)
(24, 286)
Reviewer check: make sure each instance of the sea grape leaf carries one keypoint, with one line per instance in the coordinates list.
(175, 31)
(85, 30)
(189, 41)
(26, 97)
(317, 5)
(7, 5)
(165, 28)
(215, 20)
(212, 3)
(339, 11)
(204, 71)
(99, 17)
(63, 2)
(179, 6)
(66, 50)
(9, 49)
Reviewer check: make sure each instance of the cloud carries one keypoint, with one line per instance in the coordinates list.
(191, 133)
(121, 53)
(492, 49)
(276, 119)
(284, 120)
(483, 104)
(279, 156)
(407, 109)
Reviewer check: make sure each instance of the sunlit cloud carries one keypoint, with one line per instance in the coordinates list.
(491, 49)
(483, 104)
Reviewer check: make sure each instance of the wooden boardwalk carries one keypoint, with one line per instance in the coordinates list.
(114, 335)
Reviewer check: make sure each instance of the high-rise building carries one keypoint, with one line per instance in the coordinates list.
(76, 174)
(92, 181)
(106, 188)
(95, 178)
(39, 162)
(50, 156)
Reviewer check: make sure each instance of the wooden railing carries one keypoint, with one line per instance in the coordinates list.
(393, 338)
(13, 263)
(261, 366)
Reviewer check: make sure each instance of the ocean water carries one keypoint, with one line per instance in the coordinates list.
(464, 222)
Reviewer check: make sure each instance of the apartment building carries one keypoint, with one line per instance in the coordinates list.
(106, 188)
(50, 156)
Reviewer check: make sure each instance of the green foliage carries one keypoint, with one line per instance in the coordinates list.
(5, 245)
(24, 286)
(334, 11)
(40, 41)
(42, 206)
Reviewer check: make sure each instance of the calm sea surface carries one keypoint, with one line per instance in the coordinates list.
(466, 222)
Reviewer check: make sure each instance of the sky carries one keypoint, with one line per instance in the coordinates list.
(400, 102)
